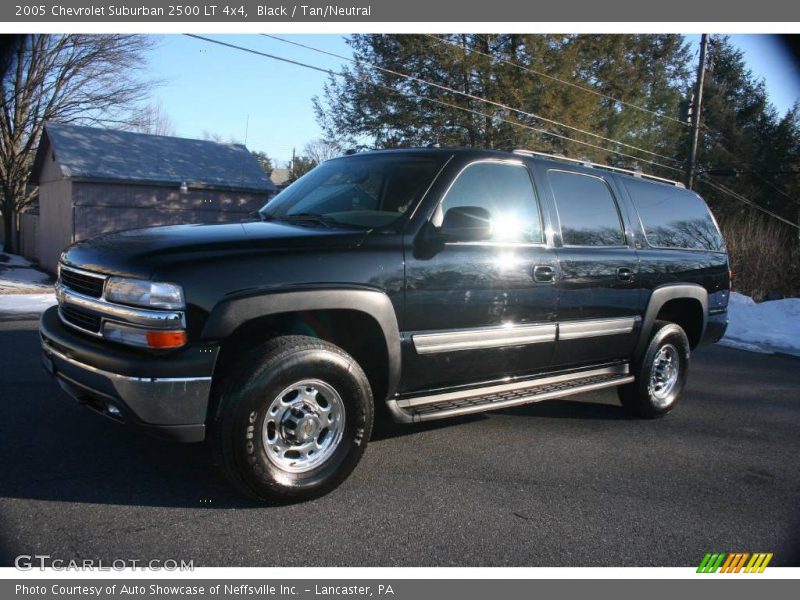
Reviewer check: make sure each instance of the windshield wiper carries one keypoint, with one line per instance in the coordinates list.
(304, 217)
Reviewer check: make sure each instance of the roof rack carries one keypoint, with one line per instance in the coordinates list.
(593, 165)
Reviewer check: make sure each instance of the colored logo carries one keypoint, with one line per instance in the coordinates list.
(734, 562)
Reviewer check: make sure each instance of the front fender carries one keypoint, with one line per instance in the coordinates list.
(230, 314)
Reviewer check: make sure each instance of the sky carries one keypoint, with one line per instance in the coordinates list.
(266, 104)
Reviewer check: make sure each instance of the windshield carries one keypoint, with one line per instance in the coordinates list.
(363, 191)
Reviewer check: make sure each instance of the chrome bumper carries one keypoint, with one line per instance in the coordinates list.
(173, 408)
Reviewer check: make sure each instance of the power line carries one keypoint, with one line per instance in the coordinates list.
(469, 95)
(577, 86)
(705, 180)
(721, 188)
(524, 126)
(725, 190)
(719, 145)
(259, 53)
(436, 101)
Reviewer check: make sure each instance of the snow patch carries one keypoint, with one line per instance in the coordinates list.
(20, 306)
(19, 276)
(767, 327)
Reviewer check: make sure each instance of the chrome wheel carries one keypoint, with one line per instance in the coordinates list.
(664, 375)
(303, 426)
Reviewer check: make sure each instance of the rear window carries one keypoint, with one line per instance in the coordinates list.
(673, 217)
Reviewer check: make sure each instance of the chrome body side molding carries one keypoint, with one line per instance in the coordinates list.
(519, 335)
(487, 337)
(572, 330)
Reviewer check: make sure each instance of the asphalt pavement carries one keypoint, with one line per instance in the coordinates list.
(560, 483)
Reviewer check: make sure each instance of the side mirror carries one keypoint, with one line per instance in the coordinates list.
(466, 224)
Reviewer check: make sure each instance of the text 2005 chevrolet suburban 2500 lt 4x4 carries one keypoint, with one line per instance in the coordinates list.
(431, 282)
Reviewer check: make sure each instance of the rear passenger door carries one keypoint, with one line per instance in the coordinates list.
(599, 303)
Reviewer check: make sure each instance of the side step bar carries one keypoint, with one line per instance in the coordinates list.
(495, 397)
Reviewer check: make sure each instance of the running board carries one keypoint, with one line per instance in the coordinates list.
(495, 397)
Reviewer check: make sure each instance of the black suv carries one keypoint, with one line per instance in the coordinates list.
(431, 282)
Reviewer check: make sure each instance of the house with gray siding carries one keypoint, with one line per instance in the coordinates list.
(94, 181)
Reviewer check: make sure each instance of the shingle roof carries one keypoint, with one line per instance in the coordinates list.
(280, 176)
(110, 155)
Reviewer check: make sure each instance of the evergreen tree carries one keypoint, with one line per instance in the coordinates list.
(544, 88)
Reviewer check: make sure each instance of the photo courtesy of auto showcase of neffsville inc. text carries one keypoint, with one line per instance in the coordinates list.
(378, 300)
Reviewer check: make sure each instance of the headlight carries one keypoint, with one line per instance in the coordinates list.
(150, 294)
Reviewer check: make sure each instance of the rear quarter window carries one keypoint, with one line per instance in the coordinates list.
(674, 217)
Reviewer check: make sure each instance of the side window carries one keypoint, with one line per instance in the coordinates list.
(673, 217)
(506, 191)
(587, 210)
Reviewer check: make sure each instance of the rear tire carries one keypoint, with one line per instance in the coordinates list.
(660, 374)
(293, 420)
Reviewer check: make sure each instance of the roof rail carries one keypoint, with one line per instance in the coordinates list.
(593, 165)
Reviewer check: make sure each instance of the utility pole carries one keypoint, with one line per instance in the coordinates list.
(696, 110)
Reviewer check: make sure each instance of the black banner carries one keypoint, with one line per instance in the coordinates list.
(373, 11)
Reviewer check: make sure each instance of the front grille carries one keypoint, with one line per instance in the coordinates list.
(81, 318)
(88, 285)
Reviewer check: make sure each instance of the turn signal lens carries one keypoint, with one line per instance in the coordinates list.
(166, 339)
(144, 338)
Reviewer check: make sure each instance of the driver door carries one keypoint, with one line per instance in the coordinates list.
(481, 310)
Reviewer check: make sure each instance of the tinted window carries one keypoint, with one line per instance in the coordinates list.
(673, 217)
(366, 191)
(586, 209)
(506, 191)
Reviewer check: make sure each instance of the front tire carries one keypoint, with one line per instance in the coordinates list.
(293, 420)
(660, 374)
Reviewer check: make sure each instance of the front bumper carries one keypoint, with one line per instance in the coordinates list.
(164, 394)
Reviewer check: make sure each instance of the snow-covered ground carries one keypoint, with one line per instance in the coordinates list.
(19, 276)
(767, 327)
(24, 290)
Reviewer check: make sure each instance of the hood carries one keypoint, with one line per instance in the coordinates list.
(144, 252)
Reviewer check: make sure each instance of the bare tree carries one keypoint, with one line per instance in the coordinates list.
(75, 78)
(210, 136)
(152, 119)
(318, 151)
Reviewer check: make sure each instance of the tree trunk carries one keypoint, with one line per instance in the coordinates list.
(8, 231)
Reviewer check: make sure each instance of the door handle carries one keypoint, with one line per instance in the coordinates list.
(544, 274)
(625, 274)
